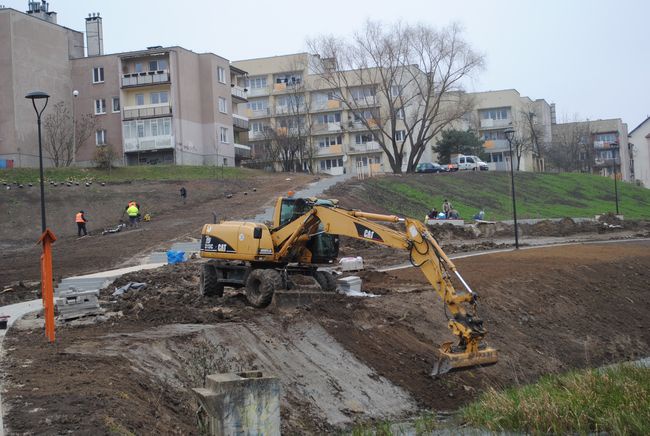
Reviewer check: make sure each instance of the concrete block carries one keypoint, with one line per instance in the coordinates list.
(459, 223)
(349, 284)
(73, 304)
(351, 263)
(246, 403)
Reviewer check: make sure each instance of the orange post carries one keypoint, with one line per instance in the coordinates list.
(47, 291)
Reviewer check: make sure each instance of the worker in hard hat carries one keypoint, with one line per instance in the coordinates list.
(133, 212)
(81, 221)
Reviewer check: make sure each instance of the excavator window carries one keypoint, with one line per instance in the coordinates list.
(291, 209)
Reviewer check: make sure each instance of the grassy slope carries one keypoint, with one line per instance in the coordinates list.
(538, 195)
(615, 400)
(122, 174)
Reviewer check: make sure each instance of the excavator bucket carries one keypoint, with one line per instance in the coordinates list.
(449, 360)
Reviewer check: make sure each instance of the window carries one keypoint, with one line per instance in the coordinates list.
(139, 99)
(495, 114)
(146, 128)
(158, 65)
(100, 137)
(256, 82)
(399, 113)
(334, 117)
(137, 67)
(362, 138)
(395, 91)
(326, 141)
(494, 134)
(289, 79)
(363, 115)
(257, 127)
(400, 135)
(100, 106)
(98, 74)
(362, 93)
(223, 105)
(116, 104)
(221, 75)
(258, 105)
(223, 135)
(605, 137)
(159, 97)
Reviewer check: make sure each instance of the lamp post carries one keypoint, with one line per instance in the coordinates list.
(33, 96)
(510, 133)
(615, 150)
(75, 94)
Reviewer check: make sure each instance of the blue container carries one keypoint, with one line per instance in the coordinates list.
(175, 256)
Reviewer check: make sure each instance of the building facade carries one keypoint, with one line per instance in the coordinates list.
(159, 105)
(605, 148)
(639, 146)
(288, 100)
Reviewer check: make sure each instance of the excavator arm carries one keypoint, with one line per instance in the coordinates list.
(424, 253)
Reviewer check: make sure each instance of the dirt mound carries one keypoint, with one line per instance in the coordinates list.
(609, 218)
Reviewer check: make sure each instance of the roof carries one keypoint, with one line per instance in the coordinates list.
(642, 123)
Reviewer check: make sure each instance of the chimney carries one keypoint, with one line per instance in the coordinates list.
(41, 10)
(553, 118)
(94, 35)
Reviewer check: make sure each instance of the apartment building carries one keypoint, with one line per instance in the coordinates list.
(495, 111)
(608, 151)
(159, 105)
(288, 99)
(639, 146)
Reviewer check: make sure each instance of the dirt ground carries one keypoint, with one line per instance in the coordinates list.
(104, 205)
(340, 360)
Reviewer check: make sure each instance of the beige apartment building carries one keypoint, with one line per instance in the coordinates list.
(287, 97)
(639, 146)
(159, 105)
(609, 150)
(495, 111)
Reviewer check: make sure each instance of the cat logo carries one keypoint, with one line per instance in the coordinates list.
(366, 233)
(222, 247)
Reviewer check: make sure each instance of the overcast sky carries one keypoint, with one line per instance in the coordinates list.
(590, 57)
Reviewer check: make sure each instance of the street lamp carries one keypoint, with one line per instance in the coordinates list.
(615, 150)
(75, 94)
(33, 96)
(510, 133)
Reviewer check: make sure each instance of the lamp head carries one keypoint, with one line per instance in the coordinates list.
(75, 93)
(36, 95)
(509, 132)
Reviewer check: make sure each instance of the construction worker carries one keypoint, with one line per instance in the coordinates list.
(446, 208)
(81, 223)
(183, 193)
(133, 212)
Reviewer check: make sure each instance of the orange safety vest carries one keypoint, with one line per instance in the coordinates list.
(80, 218)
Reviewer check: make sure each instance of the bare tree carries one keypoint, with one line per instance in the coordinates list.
(529, 137)
(415, 72)
(571, 148)
(58, 133)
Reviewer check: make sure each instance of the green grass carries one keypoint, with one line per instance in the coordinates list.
(614, 400)
(538, 195)
(123, 174)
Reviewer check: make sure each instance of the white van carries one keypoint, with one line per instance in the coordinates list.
(469, 162)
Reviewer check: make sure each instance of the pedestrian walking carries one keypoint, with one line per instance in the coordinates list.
(81, 220)
(183, 193)
(446, 208)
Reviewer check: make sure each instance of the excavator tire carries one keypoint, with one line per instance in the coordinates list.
(326, 281)
(261, 285)
(209, 284)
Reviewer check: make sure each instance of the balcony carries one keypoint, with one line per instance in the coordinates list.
(258, 135)
(364, 102)
(488, 123)
(359, 125)
(287, 87)
(326, 106)
(238, 93)
(605, 162)
(334, 127)
(290, 110)
(603, 145)
(242, 151)
(240, 123)
(495, 144)
(260, 113)
(258, 92)
(147, 143)
(368, 147)
(335, 149)
(146, 111)
(145, 79)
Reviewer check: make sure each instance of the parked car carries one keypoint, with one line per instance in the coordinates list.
(429, 167)
(469, 162)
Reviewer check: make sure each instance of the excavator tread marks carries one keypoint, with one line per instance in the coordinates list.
(261, 285)
(209, 283)
(326, 281)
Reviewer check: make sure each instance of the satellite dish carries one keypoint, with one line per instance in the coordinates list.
(345, 158)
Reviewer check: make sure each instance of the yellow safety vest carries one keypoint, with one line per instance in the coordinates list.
(132, 211)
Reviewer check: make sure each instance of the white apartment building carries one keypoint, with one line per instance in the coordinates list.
(639, 145)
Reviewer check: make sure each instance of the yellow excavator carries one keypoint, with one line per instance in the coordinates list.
(305, 234)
